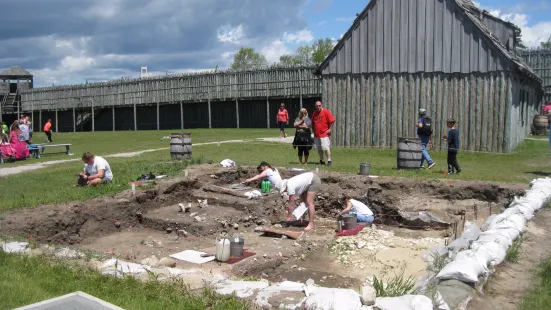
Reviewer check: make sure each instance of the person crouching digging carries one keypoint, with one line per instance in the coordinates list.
(363, 213)
(305, 186)
(96, 171)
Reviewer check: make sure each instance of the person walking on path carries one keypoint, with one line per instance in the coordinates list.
(424, 131)
(322, 123)
(305, 186)
(453, 146)
(48, 130)
(282, 119)
(303, 136)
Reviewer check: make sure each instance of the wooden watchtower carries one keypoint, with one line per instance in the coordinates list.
(13, 81)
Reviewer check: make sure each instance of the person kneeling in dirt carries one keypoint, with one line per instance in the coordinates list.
(363, 213)
(96, 171)
(304, 185)
(266, 171)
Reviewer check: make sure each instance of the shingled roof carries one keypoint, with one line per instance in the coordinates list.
(476, 15)
(15, 72)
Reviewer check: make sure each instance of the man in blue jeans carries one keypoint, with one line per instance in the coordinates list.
(424, 131)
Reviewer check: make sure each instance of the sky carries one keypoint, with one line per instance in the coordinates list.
(75, 41)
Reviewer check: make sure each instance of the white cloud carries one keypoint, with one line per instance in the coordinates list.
(233, 35)
(274, 50)
(321, 23)
(76, 64)
(298, 37)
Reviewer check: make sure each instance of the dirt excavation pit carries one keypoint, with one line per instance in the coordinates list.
(191, 214)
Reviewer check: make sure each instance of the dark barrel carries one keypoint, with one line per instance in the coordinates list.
(409, 153)
(236, 247)
(180, 145)
(541, 124)
(365, 168)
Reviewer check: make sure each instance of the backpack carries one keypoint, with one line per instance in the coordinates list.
(426, 130)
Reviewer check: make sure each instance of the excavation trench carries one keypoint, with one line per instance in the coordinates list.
(135, 227)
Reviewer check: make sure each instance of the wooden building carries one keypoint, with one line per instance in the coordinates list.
(13, 81)
(446, 56)
(218, 99)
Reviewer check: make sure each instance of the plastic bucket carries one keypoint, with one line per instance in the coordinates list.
(236, 247)
(365, 168)
(349, 221)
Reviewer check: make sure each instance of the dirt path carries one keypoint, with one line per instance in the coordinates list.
(512, 282)
(5, 171)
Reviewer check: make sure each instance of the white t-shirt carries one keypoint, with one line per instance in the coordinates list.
(359, 207)
(99, 163)
(300, 183)
(273, 176)
(25, 129)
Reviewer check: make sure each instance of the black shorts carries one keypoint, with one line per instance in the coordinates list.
(282, 125)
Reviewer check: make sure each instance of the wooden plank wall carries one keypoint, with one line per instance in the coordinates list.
(373, 110)
(222, 86)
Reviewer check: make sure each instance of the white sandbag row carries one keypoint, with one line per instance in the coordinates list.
(499, 233)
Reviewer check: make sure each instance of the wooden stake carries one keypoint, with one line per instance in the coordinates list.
(490, 207)
(475, 207)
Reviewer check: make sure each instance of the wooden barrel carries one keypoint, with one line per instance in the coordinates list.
(541, 124)
(180, 145)
(409, 153)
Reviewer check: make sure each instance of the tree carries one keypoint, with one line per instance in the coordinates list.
(546, 44)
(248, 59)
(518, 40)
(322, 49)
(309, 54)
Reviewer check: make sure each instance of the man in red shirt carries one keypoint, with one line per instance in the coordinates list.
(322, 123)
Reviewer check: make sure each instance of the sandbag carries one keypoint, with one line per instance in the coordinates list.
(466, 268)
(496, 251)
(471, 233)
(322, 298)
(491, 236)
(406, 302)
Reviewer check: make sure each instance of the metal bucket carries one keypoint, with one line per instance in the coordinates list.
(349, 221)
(365, 168)
(236, 247)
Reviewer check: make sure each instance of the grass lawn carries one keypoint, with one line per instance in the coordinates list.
(54, 184)
(111, 142)
(35, 279)
(540, 297)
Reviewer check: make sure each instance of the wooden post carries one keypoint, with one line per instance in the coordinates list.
(181, 115)
(74, 120)
(210, 116)
(135, 119)
(93, 117)
(56, 121)
(237, 111)
(113, 112)
(158, 124)
(267, 107)
(490, 207)
(475, 212)
(40, 119)
(300, 87)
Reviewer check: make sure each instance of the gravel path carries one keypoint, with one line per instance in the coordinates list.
(6, 170)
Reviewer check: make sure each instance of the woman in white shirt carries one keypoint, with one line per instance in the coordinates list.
(305, 186)
(266, 172)
(363, 213)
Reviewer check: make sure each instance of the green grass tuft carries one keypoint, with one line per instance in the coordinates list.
(513, 253)
(540, 297)
(393, 286)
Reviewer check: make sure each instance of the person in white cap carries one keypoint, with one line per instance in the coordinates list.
(424, 131)
(305, 186)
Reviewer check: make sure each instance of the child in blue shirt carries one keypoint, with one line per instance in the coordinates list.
(453, 146)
